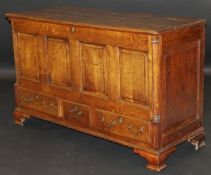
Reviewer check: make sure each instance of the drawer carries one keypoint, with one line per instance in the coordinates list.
(37, 102)
(76, 113)
(123, 126)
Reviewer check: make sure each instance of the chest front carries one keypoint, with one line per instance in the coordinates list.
(139, 88)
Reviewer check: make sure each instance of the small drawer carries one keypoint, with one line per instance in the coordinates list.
(38, 102)
(76, 113)
(123, 126)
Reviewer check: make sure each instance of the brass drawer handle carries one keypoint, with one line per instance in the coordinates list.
(74, 109)
(76, 112)
(120, 120)
(79, 113)
(101, 118)
(135, 131)
(112, 123)
(73, 29)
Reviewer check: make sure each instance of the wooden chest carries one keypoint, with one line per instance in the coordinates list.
(134, 79)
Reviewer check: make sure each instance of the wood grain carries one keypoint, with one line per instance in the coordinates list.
(93, 60)
(134, 79)
(148, 23)
(27, 55)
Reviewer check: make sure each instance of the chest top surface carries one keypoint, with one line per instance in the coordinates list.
(138, 22)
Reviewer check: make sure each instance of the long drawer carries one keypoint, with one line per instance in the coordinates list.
(124, 126)
(37, 102)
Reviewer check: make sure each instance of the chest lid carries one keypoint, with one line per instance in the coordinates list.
(137, 22)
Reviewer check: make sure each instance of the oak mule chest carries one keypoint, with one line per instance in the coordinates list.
(134, 79)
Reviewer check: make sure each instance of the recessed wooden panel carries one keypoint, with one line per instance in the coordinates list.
(181, 86)
(27, 56)
(59, 65)
(93, 58)
(133, 76)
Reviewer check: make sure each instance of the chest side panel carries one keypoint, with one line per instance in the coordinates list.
(181, 84)
(183, 72)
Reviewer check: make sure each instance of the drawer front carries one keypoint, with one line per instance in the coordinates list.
(123, 126)
(38, 102)
(76, 113)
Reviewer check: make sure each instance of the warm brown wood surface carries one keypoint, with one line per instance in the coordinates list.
(134, 79)
(148, 23)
